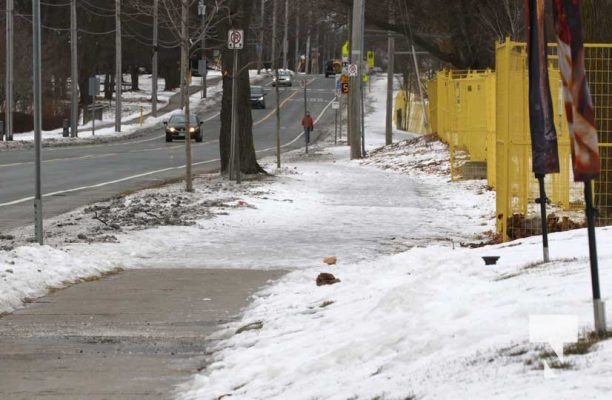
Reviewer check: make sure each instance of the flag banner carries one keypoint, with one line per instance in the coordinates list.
(577, 97)
(544, 149)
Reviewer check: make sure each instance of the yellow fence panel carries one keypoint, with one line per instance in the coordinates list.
(462, 114)
(408, 113)
(516, 188)
(484, 116)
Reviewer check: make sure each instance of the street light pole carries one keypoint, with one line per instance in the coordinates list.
(275, 69)
(261, 37)
(118, 69)
(204, 72)
(390, 70)
(297, 37)
(154, 62)
(308, 34)
(285, 41)
(9, 71)
(74, 72)
(37, 106)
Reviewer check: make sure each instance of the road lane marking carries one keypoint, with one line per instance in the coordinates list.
(274, 110)
(301, 132)
(102, 184)
(127, 178)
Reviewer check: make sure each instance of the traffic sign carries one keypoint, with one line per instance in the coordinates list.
(371, 59)
(345, 49)
(352, 69)
(235, 39)
(345, 88)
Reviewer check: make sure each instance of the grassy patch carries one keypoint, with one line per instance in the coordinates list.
(585, 342)
(583, 345)
(542, 263)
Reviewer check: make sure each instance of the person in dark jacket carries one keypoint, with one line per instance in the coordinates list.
(308, 125)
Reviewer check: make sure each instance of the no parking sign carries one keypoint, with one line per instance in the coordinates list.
(235, 39)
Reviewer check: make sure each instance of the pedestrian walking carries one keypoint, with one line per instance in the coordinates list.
(308, 125)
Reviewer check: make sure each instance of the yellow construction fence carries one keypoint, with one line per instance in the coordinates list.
(462, 109)
(486, 114)
(408, 113)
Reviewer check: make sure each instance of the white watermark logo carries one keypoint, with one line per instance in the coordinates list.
(554, 330)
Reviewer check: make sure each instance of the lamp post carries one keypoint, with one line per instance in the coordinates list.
(9, 71)
(37, 106)
(204, 70)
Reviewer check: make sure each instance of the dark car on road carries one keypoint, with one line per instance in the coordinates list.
(175, 128)
(257, 97)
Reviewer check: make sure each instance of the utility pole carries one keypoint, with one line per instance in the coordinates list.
(275, 69)
(9, 71)
(349, 98)
(118, 74)
(154, 62)
(309, 31)
(74, 72)
(261, 37)
(297, 35)
(274, 22)
(37, 106)
(204, 72)
(390, 70)
(285, 40)
(185, 91)
(355, 81)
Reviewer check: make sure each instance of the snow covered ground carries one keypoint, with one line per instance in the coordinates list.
(416, 314)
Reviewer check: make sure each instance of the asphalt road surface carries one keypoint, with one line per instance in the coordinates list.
(137, 334)
(74, 176)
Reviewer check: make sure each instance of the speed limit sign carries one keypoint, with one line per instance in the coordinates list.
(235, 39)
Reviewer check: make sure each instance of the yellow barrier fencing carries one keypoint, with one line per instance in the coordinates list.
(462, 108)
(408, 114)
(486, 114)
(517, 189)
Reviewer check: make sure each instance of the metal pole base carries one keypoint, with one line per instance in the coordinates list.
(599, 309)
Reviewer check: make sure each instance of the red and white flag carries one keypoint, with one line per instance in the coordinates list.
(578, 103)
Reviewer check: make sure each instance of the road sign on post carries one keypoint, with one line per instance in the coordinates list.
(345, 84)
(371, 59)
(94, 86)
(235, 39)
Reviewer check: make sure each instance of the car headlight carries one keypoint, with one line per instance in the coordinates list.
(260, 98)
(172, 129)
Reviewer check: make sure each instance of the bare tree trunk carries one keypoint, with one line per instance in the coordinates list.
(241, 13)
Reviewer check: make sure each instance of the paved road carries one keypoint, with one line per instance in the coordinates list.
(78, 175)
(134, 335)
